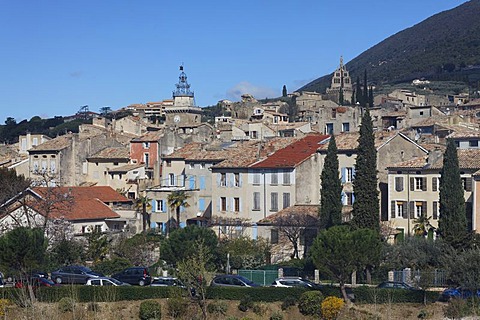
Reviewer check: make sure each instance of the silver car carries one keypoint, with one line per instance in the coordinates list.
(105, 281)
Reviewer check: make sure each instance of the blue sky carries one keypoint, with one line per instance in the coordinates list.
(56, 56)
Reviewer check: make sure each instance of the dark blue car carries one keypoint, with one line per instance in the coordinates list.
(458, 293)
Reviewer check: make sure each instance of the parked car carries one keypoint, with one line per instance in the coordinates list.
(457, 293)
(74, 274)
(167, 282)
(396, 285)
(289, 282)
(134, 275)
(229, 280)
(35, 282)
(105, 281)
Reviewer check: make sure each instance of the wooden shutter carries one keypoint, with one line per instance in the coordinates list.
(424, 184)
(424, 208)
(398, 184)
(404, 215)
(435, 210)
(468, 184)
(412, 184)
(412, 209)
(392, 209)
(434, 184)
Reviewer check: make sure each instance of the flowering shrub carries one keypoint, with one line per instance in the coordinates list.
(4, 304)
(331, 307)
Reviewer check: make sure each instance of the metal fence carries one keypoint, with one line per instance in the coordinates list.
(261, 277)
(435, 278)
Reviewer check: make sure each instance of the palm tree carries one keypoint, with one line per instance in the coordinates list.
(143, 204)
(422, 225)
(175, 200)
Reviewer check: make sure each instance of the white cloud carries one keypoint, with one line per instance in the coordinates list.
(259, 92)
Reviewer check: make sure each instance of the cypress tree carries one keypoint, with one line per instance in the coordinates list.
(366, 205)
(452, 223)
(370, 97)
(358, 92)
(365, 89)
(331, 189)
(284, 91)
(353, 98)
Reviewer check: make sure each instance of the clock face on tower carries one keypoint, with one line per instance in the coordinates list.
(176, 119)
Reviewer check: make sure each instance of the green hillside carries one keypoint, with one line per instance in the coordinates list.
(443, 47)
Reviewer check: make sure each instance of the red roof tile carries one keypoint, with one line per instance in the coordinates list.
(293, 154)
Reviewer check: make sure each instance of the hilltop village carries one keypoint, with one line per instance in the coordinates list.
(257, 164)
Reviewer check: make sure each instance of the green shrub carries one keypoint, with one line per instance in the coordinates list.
(288, 302)
(310, 303)
(177, 307)
(66, 304)
(245, 303)
(217, 308)
(112, 266)
(150, 309)
(277, 315)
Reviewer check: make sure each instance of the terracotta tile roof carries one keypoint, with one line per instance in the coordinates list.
(112, 153)
(468, 133)
(310, 212)
(467, 159)
(57, 144)
(294, 154)
(344, 141)
(126, 168)
(249, 152)
(87, 203)
(151, 136)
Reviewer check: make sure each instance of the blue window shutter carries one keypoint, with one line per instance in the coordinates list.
(254, 231)
(353, 198)
(344, 175)
(218, 179)
(219, 201)
(182, 209)
(164, 205)
(353, 173)
(192, 182)
(343, 198)
(239, 179)
(164, 227)
(154, 202)
(153, 225)
(201, 204)
(202, 182)
(182, 224)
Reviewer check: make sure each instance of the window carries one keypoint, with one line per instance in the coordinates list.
(159, 206)
(35, 142)
(345, 127)
(286, 178)
(349, 198)
(236, 204)
(274, 178)
(286, 200)
(467, 183)
(253, 134)
(191, 165)
(256, 178)
(98, 228)
(400, 208)
(274, 201)
(348, 174)
(168, 163)
(146, 145)
(171, 179)
(273, 236)
(146, 159)
(236, 178)
(24, 144)
(256, 201)
(223, 203)
(398, 184)
(329, 128)
(418, 184)
(473, 143)
(419, 208)
(202, 165)
(52, 166)
(334, 113)
(223, 179)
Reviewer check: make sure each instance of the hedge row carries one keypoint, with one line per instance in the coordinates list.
(264, 294)
(382, 295)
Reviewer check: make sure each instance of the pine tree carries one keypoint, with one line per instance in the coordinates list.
(358, 92)
(452, 224)
(331, 189)
(366, 207)
(284, 91)
(370, 97)
(365, 89)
